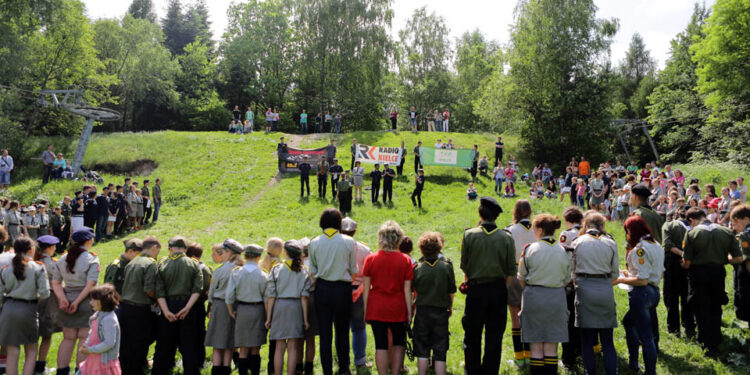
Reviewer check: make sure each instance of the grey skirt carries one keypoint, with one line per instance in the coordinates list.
(595, 200)
(48, 310)
(544, 315)
(358, 181)
(20, 324)
(249, 329)
(595, 303)
(79, 319)
(514, 292)
(287, 321)
(220, 332)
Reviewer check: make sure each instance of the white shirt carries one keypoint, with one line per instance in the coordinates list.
(521, 236)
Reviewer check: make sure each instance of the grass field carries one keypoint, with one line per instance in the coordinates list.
(218, 185)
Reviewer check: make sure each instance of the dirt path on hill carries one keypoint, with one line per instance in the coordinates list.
(294, 141)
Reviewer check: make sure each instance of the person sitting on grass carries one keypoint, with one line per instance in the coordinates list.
(484, 166)
(471, 192)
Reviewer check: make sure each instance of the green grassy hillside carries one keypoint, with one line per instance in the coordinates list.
(218, 185)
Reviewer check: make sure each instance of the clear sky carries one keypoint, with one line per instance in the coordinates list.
(656, 20)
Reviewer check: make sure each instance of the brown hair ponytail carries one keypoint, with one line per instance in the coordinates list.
(74, 252)
(21, 246)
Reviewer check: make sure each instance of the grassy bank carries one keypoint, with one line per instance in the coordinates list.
(218, 185)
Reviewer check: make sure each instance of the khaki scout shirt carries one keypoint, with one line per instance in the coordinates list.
(709, 244)
(139, 280)
(487, 254)
(545, 263)
(247, 284)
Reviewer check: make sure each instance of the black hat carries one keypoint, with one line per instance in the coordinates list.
(292, 247)
(490, 204)
(641, 190)
(253, 250)
(232, 245)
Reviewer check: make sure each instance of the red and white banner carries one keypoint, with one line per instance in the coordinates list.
(378, 155)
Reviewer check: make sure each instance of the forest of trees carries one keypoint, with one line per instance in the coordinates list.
(554, 83)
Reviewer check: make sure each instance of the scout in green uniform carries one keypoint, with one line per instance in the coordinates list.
(488, 262)
(344, 192)
(22, 284)
(137, 319)
(321, 170)
(740, 218)
(639, 200)
(435, 284)
(220, 333)
(195, 251)
(675, 276)
(245, 297)
(115, 272)
(707, 248)
(178, 285)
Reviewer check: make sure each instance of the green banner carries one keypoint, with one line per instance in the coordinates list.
(462, 158)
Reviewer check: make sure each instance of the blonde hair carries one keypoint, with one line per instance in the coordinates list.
(233, 257)
(389, 235)
(274, 248)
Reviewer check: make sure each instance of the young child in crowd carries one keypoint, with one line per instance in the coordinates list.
(510, 179)
(435, 284)
(247, 292)
(286, 310)
(103, 344)
(471, 192)
(307, 346)
(406, 246)
(580, 192)
(220, 332)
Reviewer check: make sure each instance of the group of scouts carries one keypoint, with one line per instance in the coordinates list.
(346, 185)
(561, 290)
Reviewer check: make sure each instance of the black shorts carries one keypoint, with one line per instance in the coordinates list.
(380, 331)
(431, 332)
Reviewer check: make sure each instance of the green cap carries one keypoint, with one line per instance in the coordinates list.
(178, 242)
(293, 247)
(253, 250)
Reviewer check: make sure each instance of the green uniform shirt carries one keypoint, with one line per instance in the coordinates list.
(434, 282)
(115, 273)
(344, 185)
(672, 234)
(654, 220)
(487, 255)
(709, 244)
(140, 280)
(178, 276)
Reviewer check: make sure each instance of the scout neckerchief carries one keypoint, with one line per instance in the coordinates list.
(437, 259)
(486, 225)
(288, 263)
(176, 255)
(594, 233)
(525, 223)
(548, 239)
(330, 232)
(707, 225)
(685, 224)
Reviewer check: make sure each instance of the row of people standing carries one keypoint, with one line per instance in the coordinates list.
(323, 123)
(434, 120)
(114, 211)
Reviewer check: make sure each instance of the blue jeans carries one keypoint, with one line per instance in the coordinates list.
(337, 125)
(303, 127)
(155, 217)
(588, 338)
(498, 186)
(637, 324)
(439, 126)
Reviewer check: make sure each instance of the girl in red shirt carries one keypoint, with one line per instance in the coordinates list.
(387, 276)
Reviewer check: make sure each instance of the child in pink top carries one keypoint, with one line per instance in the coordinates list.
(510, 189)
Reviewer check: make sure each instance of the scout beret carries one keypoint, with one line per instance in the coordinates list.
(253, 250)
(178, 242)
(641, 190)
(48, 240)
(491, 204)
(82, 235)
(348, 225)
(292, 247)
(232, 245)
(133, 244)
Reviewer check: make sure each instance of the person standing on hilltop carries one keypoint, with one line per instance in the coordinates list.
(281, 149)
(156, 194)
(394, 118)
(584, 169)
(499, 148)
(446, 120)
(6, 166)
(303, 122)
(304, 175)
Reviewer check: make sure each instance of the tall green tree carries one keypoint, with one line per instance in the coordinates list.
(675, 109)
(145, 90)
(258, 55)
(200, 106)
(476, 59)
(142, 9)
(424, 55)
(724, 78)
(343, 57)
(556, 56)
(184, 25)
(634, 68)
